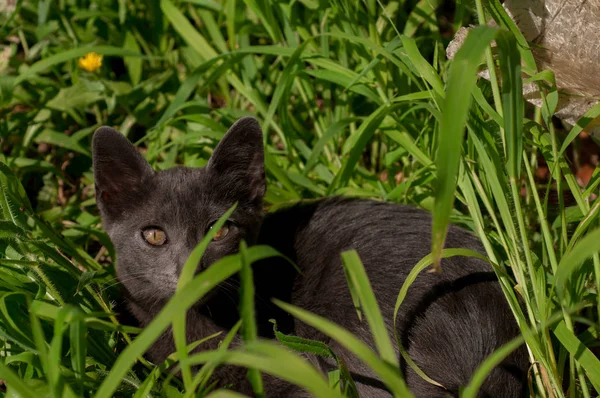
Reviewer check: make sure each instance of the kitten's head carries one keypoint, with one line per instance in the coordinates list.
(155, 219)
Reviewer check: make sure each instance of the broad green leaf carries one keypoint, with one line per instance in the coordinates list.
(69, 55)
(62, 140)
(134, 64)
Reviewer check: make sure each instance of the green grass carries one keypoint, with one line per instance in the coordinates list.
(355, 98)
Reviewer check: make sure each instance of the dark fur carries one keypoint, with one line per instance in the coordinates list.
(449, 322)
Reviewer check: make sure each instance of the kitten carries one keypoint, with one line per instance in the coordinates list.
(449, 322)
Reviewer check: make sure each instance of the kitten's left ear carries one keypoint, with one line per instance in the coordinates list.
(119, 169)
(239, 158)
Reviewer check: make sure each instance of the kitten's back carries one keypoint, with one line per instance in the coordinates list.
(449, 322)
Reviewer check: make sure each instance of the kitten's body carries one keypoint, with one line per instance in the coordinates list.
(449, 322)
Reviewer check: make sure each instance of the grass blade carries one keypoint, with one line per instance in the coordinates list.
(590, 363)
(249, 333)
(181, 301)
(73, 54)
(572, 260)
(359, 282)
(275, 360)
(14, 382)
(188, 271)
(462, 79)
(388, 374)
(512, 100)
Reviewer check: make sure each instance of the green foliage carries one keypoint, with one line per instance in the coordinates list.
(355, 98)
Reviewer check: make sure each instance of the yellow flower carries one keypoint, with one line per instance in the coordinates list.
(90, 62)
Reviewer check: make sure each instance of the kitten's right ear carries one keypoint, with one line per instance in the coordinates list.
(239, 158)
(119, 168)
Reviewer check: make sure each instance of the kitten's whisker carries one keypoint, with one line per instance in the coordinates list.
(122, 281)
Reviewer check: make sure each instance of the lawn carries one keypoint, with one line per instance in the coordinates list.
(355, 98)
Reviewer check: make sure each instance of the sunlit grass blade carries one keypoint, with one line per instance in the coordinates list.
(271, 358)
(472, 389)
(187, 273)
(249, 332)
(584, 249)
(388, 374)
(225, 394)
(512, 100)
(582, 354)
(185, 90)
(461, 80)
(186, 30)
(411, 277)
(14, 381)
(303, 345)
(504, 20)
(203, 376)
(359, 283)
(590, 116)
(513, 112)
(427, 71)
(357, 142)
(181, 301)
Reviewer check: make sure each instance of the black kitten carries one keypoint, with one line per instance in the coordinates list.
(449, 323)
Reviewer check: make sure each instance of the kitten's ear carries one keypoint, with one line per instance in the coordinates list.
(119, 168)
(239, 158)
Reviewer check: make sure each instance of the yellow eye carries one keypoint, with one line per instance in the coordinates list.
(154, 236)
(222, 232)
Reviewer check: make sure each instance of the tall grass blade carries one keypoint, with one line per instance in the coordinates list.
(14, 381)
(187, 273)
(461, 81)
(271, 358)
(388, 374)
(572, 261)
(482, 372)
(512, 101)
(582, 354)
(411, 277)
(249, 332)
(181, 301)
(358, 280)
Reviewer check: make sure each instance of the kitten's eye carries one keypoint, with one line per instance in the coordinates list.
(154, 236)
(222, 232)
